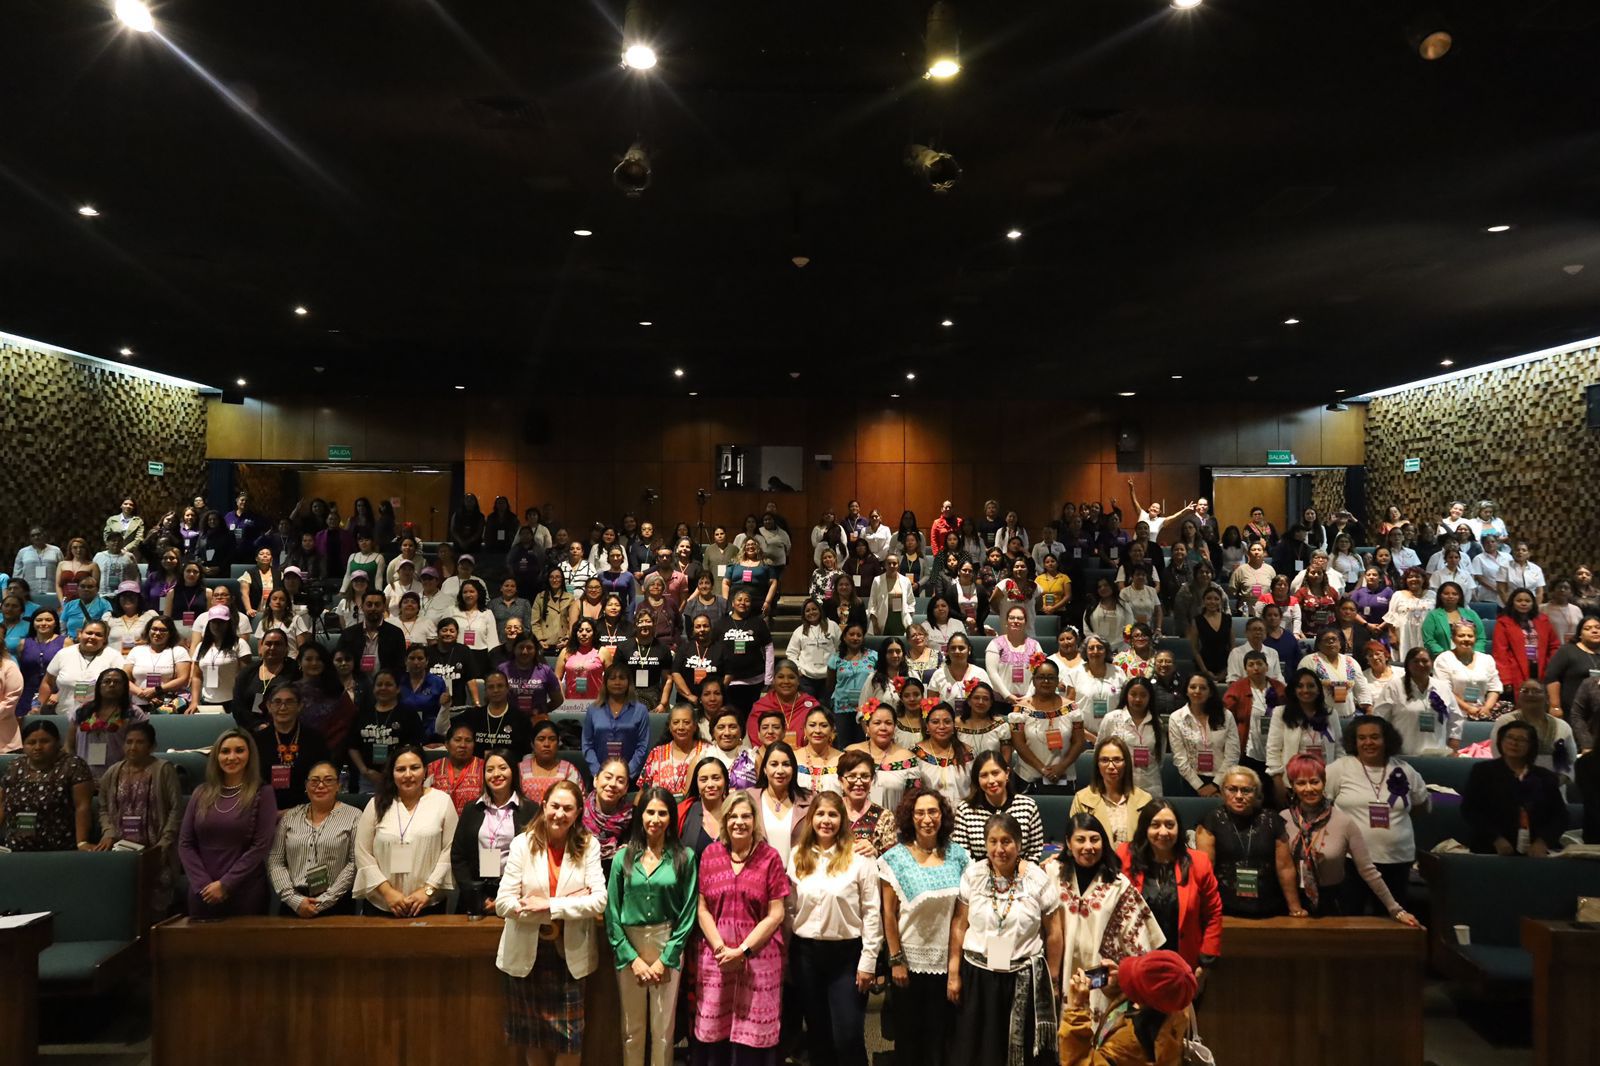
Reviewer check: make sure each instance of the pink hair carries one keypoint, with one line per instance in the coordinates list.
(1305, 766)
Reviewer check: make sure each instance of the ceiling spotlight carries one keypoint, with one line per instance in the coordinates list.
(632, 175)
(694, 394)
(943, 43)
(1126, 394)
(135, 15)
(939, 169)
(459, 388)
(1573, 269)
(88, 211)
(1187, 5)
(677, 372)
(636, 51)
(1291, 321)
(583, 233)
(800, 261)
(1253, 377)
(239, 382)
(125, 352)
(1447, 362)
(1013, 235)
(1336, 406)
(1177, 377)
(301, 310)
(911, 375)
(1497, 229)
(894, 396)
(947, 323)
(1428, 36)
(1341, 392)
(646, 322)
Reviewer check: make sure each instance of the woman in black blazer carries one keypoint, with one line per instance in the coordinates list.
(1501, 791)
(485, 830)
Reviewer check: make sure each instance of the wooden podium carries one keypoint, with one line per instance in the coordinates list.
(19, 976)
(345, 990)
(1566, 982)
(1317, 992)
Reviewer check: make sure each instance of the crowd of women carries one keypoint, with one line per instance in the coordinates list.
(855, 814)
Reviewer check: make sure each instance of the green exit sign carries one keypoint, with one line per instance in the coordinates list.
(1411, 466)
(340, 453)
(1280, 458)
(155, 469)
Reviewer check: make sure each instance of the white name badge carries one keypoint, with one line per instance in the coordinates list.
(1000, 950)
(1473, 692)
(210, 674)
(641, 679)
(400, 856)
(488, 862)
(856, 579)
(38, 572)
(1299, 565)
(722, 570)
(97, 749)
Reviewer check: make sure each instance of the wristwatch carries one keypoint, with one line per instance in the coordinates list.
(428, 890)
(748, 953)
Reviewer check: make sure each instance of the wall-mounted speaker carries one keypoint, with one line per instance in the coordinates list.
(1129, 438)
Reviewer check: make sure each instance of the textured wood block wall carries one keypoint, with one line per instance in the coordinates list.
(1515, 436)
(75, 439)
(1327, 491)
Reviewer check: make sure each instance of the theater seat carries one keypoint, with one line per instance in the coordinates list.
(1046, 628)
(47, 599)
(191, 767)
(99, 909)
(62, 724)
(1443, 770)
(1053, 811)
(1500, 964)
(1472, 732)
(1191, 809)
(186, 732)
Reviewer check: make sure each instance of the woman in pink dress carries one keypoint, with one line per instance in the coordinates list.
(739, 983)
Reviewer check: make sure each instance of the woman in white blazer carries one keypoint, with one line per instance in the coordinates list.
(551, 893)
(890, 602)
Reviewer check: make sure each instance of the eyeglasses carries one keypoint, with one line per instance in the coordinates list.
(859, 779)
(1115, 760)
(321, 782)
(1239, 790)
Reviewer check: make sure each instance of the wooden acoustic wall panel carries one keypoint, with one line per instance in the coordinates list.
(1327, 491)
(1514, 435)
(78, 438)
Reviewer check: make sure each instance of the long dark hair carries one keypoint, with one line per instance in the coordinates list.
(1142, 857)
(638, 839)
(1157, 734)
(388, 792)
(1109, 865)
(1293, 715)
(880, 673)
(796, 793)
(123, 709)
(1216, 714)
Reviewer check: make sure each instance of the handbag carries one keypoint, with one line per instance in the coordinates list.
(1195, 1052)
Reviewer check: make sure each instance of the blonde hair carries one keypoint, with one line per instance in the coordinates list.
(735, 799)
(806, 849)
(577, 836)
(207, 794)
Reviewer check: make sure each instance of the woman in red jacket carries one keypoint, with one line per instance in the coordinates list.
(1524, 641)
(1178, 883)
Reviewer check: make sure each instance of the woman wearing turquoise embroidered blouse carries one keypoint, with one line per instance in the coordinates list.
(651, 906)
(1451, 607)
(753, 574)
(848, 671)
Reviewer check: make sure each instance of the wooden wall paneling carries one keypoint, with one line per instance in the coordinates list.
(1076, 482)
(1301, 433)
(586, 496)
(930, 430)
(287, 432)
(963, 489)
(1232, 498)
(540, 484)
(339, 425)
(833, 429)
(1515, 435)
(488, 478)
(679, 482)
(1344, 436)
(881, 435)
(233, 430)
(927, 486)
(1174, 485)
(686, 440)
(1256, 434)
(425, 502)
(629, 478)
(831, 489)
(882, 486)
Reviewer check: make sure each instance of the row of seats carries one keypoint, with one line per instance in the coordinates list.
(100, 917)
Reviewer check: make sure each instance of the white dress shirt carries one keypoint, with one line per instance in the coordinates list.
(838, 906)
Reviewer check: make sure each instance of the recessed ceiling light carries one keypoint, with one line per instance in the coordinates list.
(646, 322)
(1497, 229)
(1291, 321)
(301, 310)
(460, 387)
(1253, 377)
(911, 375)
(135, 15)
(239, 382)
(1339, 391)
(125, 352)
(88, 211)
(678, 373)
(1013, 234)
(947, 323)
(1177, 377)
(694, 394)
(1187, 5)
(639, 57)
(1447, 362)
(894, 396)
(1126, 394)
(583, 233)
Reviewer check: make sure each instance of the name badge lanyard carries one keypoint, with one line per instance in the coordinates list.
(311, 847)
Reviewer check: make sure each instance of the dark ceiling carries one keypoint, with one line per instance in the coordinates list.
(1185, 181)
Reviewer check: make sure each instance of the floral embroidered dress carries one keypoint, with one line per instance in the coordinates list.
(1108, 920)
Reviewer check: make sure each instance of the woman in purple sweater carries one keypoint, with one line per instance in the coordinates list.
(227, 832)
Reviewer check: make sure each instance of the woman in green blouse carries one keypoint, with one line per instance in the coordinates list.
(650, 910)
(1451, 608)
